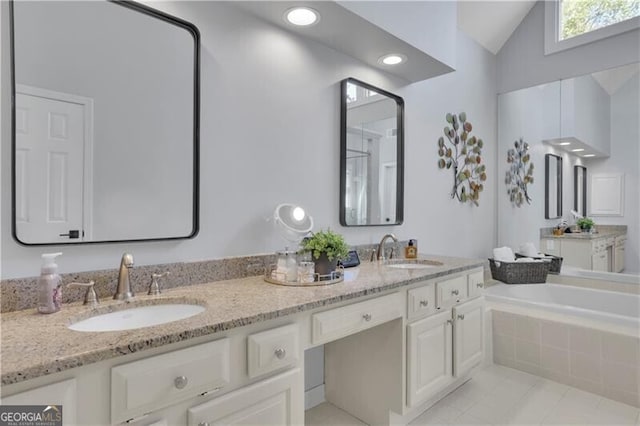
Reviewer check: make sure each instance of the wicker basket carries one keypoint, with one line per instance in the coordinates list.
(556, 262)
(519, 272)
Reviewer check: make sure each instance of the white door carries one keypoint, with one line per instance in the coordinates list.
(468, 345)
(276, 401)
(49, 169)
(429, 364)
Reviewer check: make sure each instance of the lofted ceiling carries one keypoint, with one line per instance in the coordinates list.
(491, 23)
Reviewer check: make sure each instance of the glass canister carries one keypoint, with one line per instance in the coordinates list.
(306, 272)
(287, 266)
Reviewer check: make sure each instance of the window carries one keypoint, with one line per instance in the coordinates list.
(571, 23)
(583, 16)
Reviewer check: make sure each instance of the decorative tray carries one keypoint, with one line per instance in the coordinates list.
(272, 276)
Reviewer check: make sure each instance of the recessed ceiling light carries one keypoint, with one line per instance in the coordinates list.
(302, 16)
(577, 150)
(564, 143)
(589, 155)
(392, 59)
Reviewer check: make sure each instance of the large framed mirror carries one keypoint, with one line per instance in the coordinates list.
(580, 190)
(371, 155)
(553, 186)
(105, 123)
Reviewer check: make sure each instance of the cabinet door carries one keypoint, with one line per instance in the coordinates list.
(619, 259)
(274, 401)
(475, 283)
(468, 348)
(61, 393)
(599, 261)
(429, 344)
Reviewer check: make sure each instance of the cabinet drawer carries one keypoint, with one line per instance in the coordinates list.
(451, 291)
(421, 301)
(475, 283)
(341, 322)
(271, 350)
(142, 386)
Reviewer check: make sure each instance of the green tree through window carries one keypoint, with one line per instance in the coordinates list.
(581, 16)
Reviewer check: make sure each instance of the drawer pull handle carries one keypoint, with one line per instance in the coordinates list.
(461, 316)
(203, 424)
(455, 292)
(449, 321)
(424, 303)
(180, 382)
(367, 317)
(480, 285)
(280, 353)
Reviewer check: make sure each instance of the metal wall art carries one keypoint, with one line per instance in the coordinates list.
(519, 174)
(462, 153)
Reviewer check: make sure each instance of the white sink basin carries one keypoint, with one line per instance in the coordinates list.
(412, 264)
(137, 317)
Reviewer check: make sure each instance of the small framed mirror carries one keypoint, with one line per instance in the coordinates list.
(553, 186)
(580, 190)
(371, 155)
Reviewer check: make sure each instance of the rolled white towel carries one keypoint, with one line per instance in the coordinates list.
(503, 254)
(528, 260)
(528, 249)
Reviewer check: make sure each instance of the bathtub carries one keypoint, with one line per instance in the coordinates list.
(585, 304)
(582, 337)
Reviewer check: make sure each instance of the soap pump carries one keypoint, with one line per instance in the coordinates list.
(411, 250)
(49, 285)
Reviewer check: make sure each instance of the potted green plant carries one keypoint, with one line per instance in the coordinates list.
(326, 248)
(585, 224)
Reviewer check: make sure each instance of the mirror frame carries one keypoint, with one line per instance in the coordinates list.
(576, 177)
(399, 151)
(136, 7)
(547, 163)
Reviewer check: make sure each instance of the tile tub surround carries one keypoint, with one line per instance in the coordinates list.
(22, 293)
(35, 345)
(598, 361)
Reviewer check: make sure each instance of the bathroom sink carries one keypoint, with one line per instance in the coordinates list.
(412, 264)
(138, 317)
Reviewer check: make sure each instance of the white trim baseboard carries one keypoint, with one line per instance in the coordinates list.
(313, 397)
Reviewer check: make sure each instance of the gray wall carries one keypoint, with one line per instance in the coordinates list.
(270, 134)
(522, 63)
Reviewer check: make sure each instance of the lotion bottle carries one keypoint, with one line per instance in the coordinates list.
(49, 285)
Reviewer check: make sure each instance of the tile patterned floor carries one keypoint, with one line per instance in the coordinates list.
(499, 395)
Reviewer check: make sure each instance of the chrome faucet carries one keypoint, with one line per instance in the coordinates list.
(123, 292)
(380, 252)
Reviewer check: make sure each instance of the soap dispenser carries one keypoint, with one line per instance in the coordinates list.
(411, 250)
(49, 285)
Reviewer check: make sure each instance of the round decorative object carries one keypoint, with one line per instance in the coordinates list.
(292, 221)
(519, 174)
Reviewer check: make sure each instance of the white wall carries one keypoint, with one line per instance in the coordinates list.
(270, 134)
(522, 63)
(625, 158)
(585, 112)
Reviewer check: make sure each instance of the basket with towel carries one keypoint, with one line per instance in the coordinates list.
(506, 268)
(529, 250)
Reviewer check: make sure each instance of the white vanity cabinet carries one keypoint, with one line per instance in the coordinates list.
(63, 393)
(603, 253)
(447, 345)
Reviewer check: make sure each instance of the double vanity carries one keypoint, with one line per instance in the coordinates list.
(397, 337)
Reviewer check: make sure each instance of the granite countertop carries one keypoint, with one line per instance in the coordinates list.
(35, 345)
(604, 231)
